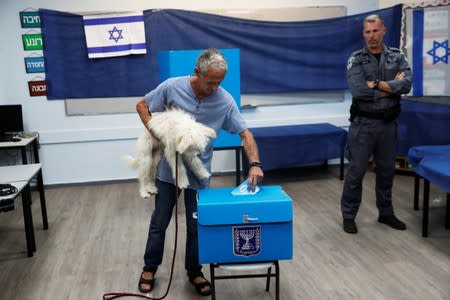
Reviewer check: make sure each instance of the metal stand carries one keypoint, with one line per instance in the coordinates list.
(247, 267)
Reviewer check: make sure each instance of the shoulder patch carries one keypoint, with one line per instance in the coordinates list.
(350, 62)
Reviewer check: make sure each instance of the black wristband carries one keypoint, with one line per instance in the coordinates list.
(375, 84)
(254, 164)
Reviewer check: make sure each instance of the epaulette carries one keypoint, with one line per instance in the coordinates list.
(358, 52)
(394, 49)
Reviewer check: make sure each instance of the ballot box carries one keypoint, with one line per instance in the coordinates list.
(244, 228)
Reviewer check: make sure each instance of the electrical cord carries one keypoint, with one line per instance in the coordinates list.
(116, 295)
(7, 189)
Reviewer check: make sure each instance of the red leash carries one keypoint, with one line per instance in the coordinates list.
(110, 296)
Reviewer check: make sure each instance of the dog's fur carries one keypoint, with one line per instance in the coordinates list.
(178, 132)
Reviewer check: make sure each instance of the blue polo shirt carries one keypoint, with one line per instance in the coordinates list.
(218, 111)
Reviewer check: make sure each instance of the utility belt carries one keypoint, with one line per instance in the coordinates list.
(387, 115)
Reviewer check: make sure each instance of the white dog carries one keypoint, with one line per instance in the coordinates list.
(178, 132)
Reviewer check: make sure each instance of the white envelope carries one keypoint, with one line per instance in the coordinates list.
(243, 189)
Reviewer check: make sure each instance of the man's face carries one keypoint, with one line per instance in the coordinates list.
(209, 82)
(373, 34)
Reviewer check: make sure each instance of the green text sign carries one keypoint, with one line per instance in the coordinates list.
(32, 41)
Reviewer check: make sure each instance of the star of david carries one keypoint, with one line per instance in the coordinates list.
(115, 34)
(439, 54)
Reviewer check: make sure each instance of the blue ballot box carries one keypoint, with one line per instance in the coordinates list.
(244, 228)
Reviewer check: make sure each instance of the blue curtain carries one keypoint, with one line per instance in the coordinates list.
(276, 57)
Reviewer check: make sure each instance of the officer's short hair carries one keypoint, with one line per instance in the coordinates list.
(211, 58)
(373, 18)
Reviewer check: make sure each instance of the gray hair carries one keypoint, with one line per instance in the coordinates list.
(211, 59)
(373, 18)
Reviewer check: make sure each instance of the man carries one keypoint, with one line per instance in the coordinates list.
(377, 76)
(201, 96)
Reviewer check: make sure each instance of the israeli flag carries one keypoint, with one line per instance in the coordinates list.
(429, 49)
(110, 35)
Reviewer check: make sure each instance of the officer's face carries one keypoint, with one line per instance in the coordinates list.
(373, 33)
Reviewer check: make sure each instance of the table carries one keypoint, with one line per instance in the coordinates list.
(22, 145)
(34, 144)
(421, 123)
(432, 163)
(295, 145)
(20, 176)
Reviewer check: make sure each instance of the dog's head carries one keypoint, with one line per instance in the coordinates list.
(194, 139)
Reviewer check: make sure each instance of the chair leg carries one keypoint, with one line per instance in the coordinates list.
(213, 281)
(277, 280)
(269, 272)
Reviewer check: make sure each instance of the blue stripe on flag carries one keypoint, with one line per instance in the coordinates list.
(418, 18)
(116, 48)
(114, 20)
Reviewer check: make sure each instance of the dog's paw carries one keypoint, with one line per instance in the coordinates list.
(183, 183)
(146, 192)
(151, 189)
(203, 174)
(143, 193)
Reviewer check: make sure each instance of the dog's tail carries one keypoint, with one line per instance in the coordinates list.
(130, 160)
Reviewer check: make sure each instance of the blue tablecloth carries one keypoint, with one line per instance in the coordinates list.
(295, 145)
(422, 123)
(432, 163)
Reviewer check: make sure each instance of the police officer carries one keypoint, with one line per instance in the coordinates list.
(377, 76)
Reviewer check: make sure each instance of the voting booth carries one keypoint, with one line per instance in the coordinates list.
(244, 228)
(182, 62)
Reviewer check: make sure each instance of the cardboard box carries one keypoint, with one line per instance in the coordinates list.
(244, 228)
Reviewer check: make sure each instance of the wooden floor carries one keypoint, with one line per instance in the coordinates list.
(97, 235)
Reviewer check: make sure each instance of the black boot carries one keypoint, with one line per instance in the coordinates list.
(349, 226)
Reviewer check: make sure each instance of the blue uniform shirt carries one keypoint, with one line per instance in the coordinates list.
(218, 111)
(363, 66)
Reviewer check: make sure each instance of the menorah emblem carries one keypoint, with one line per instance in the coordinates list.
(246, 240)
(247, 235)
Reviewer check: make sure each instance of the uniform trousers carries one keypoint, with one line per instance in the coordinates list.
(369, 137)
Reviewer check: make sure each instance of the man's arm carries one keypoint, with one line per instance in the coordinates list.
(255, 172)
(145, 115)
(143, 111)
(384, 87)
(400, 84)
(356, 79)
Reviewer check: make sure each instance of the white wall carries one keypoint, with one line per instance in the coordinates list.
(79, 149)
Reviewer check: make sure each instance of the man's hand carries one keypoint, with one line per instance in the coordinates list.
(255, 175)
(151, 131)
(370, 84)
(399, 76)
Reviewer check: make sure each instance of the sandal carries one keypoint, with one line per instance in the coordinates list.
(201, 285)
(149, 282)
